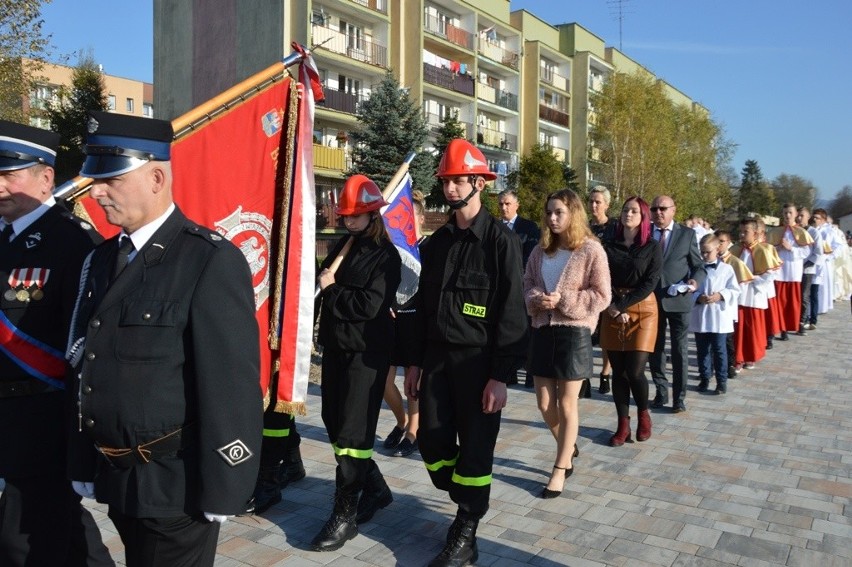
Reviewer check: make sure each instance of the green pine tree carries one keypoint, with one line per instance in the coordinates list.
(391, 127)
(69, 116)
(539, 174)
(755, 195)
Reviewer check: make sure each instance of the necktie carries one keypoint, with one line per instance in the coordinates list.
(664, 242)
(6, 235)
(125, 248)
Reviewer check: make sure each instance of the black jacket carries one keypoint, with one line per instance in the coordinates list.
(471, 293)
(529, 233)
(355, 313)
(58, 242)
(172, 343)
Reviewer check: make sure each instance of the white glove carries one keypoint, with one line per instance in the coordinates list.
(221, 518)
(84, 489)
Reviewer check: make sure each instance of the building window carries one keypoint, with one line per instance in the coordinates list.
(147, 110)
(111, 102)
(129, 105)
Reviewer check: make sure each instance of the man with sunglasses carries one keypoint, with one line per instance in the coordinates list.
(683, 272)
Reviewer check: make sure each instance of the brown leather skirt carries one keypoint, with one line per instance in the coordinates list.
(640, 333)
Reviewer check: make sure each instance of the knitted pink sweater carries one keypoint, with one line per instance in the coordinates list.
(585, 287)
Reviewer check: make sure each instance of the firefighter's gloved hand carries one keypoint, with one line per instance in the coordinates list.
(221, 518)
(84, 489)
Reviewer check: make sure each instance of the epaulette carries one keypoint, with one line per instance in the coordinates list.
(206, 234)
(68, 216)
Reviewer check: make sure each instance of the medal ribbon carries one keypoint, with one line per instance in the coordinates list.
(38, 359)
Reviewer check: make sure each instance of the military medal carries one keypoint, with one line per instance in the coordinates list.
(9, 295)
(22, 295)
(37, 294)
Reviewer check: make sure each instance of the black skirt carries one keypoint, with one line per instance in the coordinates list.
(560, 352)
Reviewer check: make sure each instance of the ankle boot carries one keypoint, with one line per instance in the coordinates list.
(643, 430)
(267, 491)
(341, 526)
(292, 468)
(376, 495)
(461, 546)
(585, 389)
(604, 386)
(623, 434)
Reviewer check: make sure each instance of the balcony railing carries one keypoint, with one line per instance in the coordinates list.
(433, 122)
(451, 33)
(344, 102)
(496, 53)
(329, 158)
(497, 139)
(354, 47)
(500, 97)
(447, 79)
(377, 5)
(554, 115)
(551, 77)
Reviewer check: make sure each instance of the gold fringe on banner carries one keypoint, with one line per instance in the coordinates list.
(283, 214)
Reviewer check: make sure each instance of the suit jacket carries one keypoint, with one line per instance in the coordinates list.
(172, 343)
(56, 243)
(681, 261)
(529, 233)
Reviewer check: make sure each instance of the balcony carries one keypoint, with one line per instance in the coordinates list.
(447, 79)
(504, 141)
(554, 115)
(560, 153)
(329, 158)
(500, 97)
(433, 122)
(375, 5)
(341, 101)
(494, 52)
(451, 33)
(554, 79)
(355, 47)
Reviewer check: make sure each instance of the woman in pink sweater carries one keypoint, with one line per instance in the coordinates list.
(566, 286)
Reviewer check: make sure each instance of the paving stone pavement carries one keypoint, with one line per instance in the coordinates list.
(758, 477)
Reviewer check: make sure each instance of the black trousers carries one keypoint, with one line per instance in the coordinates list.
(809, 306)
(182, 541)
(353, 384)
(279, 436)
(43, 523)
(456, 437)
(679, 325)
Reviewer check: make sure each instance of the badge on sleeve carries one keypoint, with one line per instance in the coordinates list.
(235, 452)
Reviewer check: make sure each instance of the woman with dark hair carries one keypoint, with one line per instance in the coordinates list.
(629, 324)
(566, 286)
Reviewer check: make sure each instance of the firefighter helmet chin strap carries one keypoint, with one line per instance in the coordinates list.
(461, 203)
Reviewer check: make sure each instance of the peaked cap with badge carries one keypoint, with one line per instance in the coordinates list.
(117, 144)
(24, 146)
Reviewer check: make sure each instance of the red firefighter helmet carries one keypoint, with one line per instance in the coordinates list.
(463, 158)
(359, 195)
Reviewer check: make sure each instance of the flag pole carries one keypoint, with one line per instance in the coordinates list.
(204, 112)
(397, 177)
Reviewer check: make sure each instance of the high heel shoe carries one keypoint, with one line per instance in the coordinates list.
(546, 493)
(576, 451)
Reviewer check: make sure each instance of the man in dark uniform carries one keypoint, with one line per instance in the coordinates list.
(42, 247)
(164, 344)
(471, 329)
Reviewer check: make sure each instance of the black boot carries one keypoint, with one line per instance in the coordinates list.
(267, 491)
(604, 385)
(461, 544)
(292, 468)
(586, 389)
(376, 495)
(340, 527)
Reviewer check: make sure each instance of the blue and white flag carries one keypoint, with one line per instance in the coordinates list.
(400, 222)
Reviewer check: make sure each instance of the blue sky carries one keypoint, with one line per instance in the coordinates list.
(777, 74)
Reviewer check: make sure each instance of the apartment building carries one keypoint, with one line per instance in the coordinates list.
(512, 78)
(125, 96)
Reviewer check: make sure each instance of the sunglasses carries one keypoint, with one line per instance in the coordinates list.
(663, 209)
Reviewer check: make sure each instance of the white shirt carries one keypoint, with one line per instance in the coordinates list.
(510, 224)
(21, 224)
(142, 235)
(552, 268)
(716, 317)
(793, 266)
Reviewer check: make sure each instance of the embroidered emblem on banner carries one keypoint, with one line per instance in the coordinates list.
(235, 452)
(250, 232)
(474, 310)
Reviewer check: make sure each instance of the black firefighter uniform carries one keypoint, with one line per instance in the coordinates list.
(167, 377)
